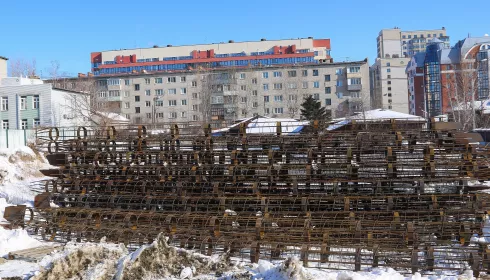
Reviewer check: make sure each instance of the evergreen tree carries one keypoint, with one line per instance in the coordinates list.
(312, 109)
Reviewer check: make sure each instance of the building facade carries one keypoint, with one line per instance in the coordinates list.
(227, 94)
(3, 67)
(211, 56)
(397, 43)
(388, 77)
(441, 78)
(30, 103)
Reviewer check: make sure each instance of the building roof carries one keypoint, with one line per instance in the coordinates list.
(375, 115)
(3, 57)
(266, 125)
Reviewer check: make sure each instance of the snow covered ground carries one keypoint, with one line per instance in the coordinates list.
(18, 177)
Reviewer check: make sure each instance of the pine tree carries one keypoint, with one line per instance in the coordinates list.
(312, 109)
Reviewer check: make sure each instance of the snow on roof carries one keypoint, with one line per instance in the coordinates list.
(267, 125)
(113, 116)
(375, 115)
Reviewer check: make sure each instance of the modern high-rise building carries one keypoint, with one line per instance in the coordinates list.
(395, 43)
(388, 78)
(442, 79)
(3, 67)
(220, 83)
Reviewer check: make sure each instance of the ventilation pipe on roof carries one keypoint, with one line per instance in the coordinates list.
(263, 39)
(231, 41)
(169, 45)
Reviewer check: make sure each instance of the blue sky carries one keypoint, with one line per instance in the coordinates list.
(68, 31)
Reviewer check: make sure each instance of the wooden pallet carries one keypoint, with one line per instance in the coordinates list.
(33, 254)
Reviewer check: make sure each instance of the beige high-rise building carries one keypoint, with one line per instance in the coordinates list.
(397, 43)
(3, 67)
(389, 84)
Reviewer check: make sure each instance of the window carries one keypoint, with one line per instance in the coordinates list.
(305, 85)
(160, 115)
(328, 102)
(304, 73)
(254, 81)
(266, 111)
(389, 82)
(194, 95)
(278, 98)
(338, 71)
(327, 78)
(103, 94)
(147, 92)
(315, 72)
(159, 103)
(340, 95)
(5, 103)
(147, 81)
(388, 70)
(278, 110)
(266, 98)
(278, 86)
(137, 110)
(316, 96)
(389, 95)
(328, 90)
(316, 84)
(148, 115)
(147, 103)
(127, 82)
(136, 98)
(172, 103)
(339, 83)
(277, 74)
(194, 84)
(404, 36)
(111, 82)
(136, 87)
(158, 80)
(415, 36)
(292, 73)
(172, 91)
(265, 86)
(36, 123)
(242, 76)
(409, 36)
(389, 88)
(354, 81)
(171, 79)
(354, 69)
(35, 102)
(24, 124)
(195, 117)
(159, 92)
(254, 93)
(292, 85)
(126, 105)
(5, 124)
(172, 115)
(126, 93)
(23, 102)
(389, 77)
(182, 79)
(243, 99)
(265, 75)
(255, 104)
(183, 102)
(440, 35)
(194, 107)
(183, 90)
(388, 64)
(243, 87)
(293, 97)
(183, 114)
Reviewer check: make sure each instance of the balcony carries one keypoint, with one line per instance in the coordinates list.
(114, 98)
(354, 87)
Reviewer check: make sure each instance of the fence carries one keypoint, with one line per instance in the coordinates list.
(15, 138)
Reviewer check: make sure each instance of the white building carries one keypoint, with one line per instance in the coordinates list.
(3, 67)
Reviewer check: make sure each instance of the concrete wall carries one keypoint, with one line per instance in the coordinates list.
(14, 138)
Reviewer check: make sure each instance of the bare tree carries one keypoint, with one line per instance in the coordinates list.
(462, 89)
(23, 68)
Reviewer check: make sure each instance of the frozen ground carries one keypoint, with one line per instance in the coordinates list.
(18, 177)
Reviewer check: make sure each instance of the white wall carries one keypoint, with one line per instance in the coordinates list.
(3, 68)
(15, 138)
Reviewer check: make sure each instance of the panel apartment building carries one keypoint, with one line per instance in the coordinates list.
(226, 81)
(394, 49)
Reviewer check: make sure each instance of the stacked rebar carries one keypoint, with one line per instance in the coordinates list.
(348, 199)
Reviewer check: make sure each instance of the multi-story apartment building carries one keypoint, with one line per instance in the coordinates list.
(388, 79)
(397, 43)
(27, 103)
(3, 67)
(224, 82)
(442, 78)
(227, 94)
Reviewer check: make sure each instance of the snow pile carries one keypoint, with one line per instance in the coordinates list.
(161, 260)
(291, 268)
(485, 239)
(14, 240)
(82, 261)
